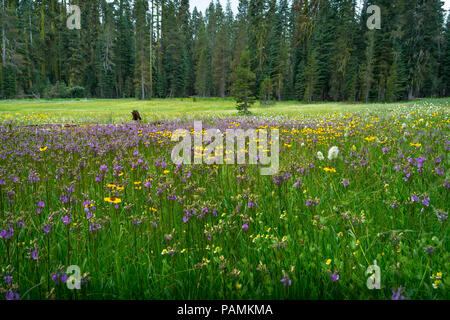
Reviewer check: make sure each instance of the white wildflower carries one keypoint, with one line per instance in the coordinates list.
(333, 153)
(320, 155)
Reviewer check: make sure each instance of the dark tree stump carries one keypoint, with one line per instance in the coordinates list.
(136, 115)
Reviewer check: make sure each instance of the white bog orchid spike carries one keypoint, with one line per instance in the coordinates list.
(320, 155)
(333, 153)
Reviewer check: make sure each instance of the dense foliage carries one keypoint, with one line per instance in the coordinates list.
(311, 50)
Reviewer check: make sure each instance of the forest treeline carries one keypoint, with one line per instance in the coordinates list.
(310, 50)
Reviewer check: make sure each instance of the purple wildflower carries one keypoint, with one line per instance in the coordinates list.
(286, 281)
(59, 277)
(34, 254)
(11, 295)
(252, 204)
(7, 234)
(47, 229)
(407, 176)
(334, 276)
(94, 227)
(397, 295)
(8, 279)
(66, 220)
(429, 249)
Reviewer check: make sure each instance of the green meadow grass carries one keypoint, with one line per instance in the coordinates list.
(119, 111)
(145, 250)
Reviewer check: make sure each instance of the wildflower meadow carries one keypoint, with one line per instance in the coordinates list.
(358, 209)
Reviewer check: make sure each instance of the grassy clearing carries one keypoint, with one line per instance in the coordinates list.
(118, 111)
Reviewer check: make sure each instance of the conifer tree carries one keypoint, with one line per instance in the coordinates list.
(446, 60)
(244, 83)
(266, 91)
(141, 72)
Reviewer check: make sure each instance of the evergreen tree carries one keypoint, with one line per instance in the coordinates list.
(202, 85)
(343, 48)
(244, 83)
(12, 58)
(124, 52)
(266, 91)
(311, 75)
(446, 60)
(221, 53)
(185, 28)
(312, 50)
(141, 73)
(105, 53)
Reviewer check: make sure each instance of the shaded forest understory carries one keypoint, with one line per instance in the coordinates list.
(309, 50)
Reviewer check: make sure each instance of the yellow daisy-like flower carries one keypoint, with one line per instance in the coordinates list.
(111, 185)
(417, 145)
(436, 284)
(113, 200)
(329, 170)
(166, 171)
(120, 174)
(119, 187)
(43, 148)
(164, 251)
(328, 262)
(137, 182)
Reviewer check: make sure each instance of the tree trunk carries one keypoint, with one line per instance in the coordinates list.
(245, 104)
(142, 84)
(150, 85)
(3, 35)
(410, 94)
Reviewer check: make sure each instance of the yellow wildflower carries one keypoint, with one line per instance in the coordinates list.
(113, 200)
